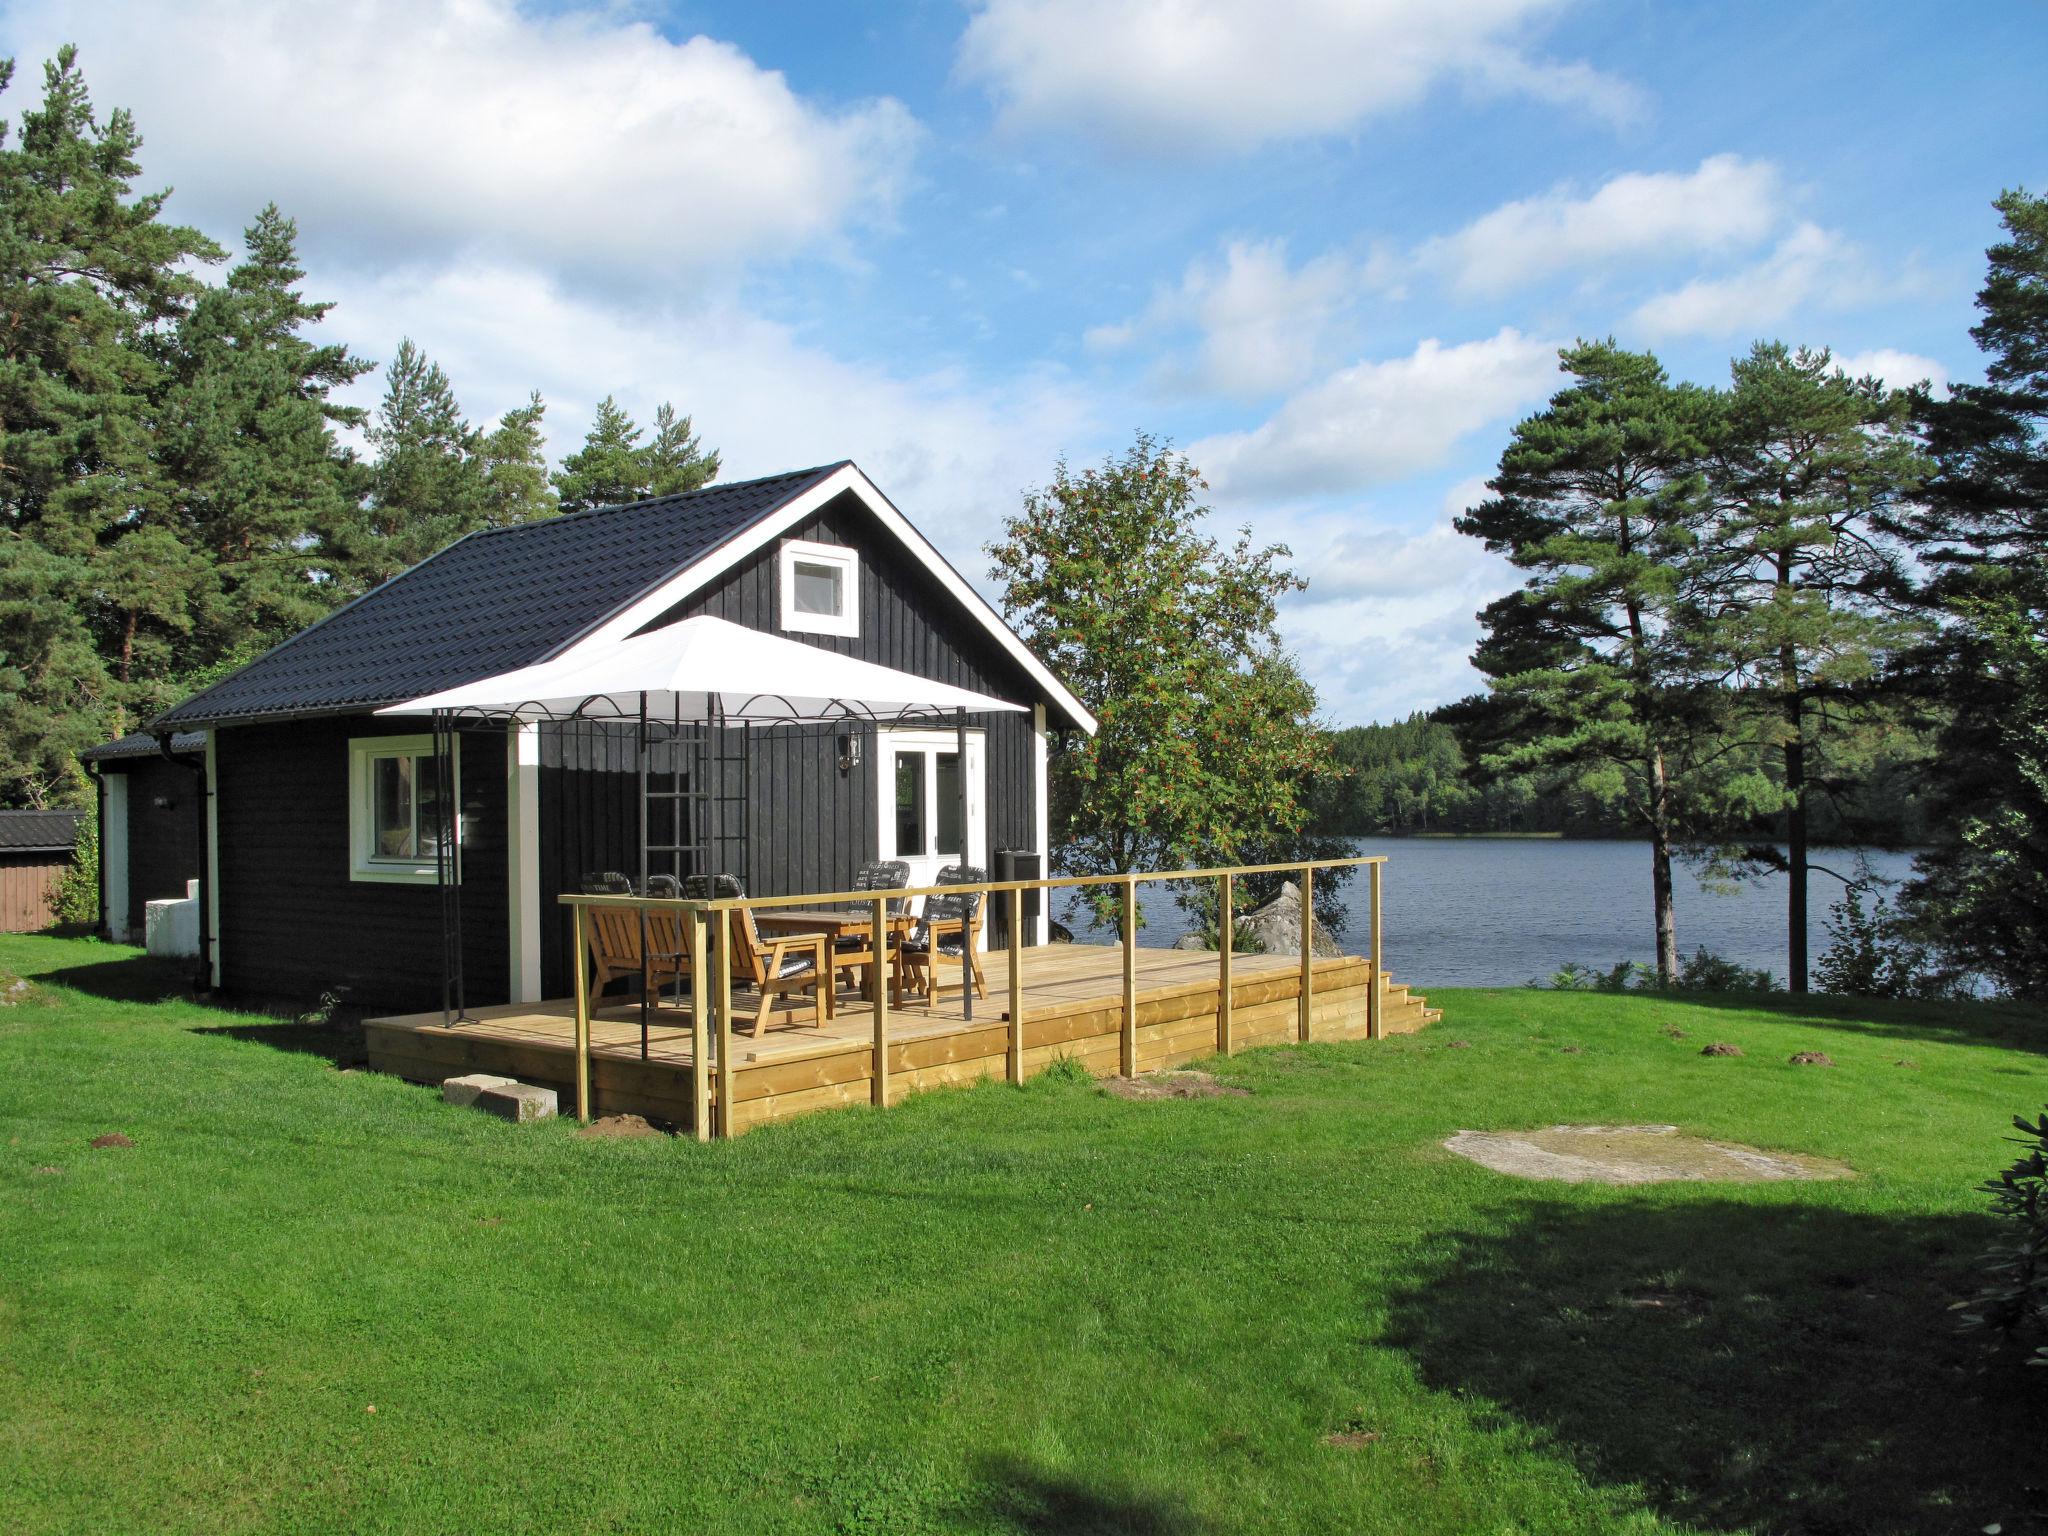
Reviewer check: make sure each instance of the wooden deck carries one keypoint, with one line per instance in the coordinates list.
(1073, 1006)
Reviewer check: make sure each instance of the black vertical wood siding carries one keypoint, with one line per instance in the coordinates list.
(294, 925)
(811, 825)
(163, 840)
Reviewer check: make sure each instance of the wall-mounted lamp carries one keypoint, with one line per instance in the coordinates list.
(164, 803)
(849, 752)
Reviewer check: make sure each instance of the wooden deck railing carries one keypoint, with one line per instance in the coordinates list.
(710, 950)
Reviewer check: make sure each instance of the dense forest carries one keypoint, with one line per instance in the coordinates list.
(179, 486)
(1413, 778)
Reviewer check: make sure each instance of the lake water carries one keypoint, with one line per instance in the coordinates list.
(1492, 912)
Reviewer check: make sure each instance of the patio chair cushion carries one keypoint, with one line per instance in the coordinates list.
(607, 882)
(948, 909)
(796, 965)
(719, 887)
(885, 875)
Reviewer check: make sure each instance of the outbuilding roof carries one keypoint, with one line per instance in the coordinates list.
(497, 599)
(142, 744)
(39, 831)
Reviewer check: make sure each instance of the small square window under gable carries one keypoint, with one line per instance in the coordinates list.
(819, 586)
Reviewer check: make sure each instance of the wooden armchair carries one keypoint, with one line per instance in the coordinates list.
(948, 934)
(615, 938)
(793, 963)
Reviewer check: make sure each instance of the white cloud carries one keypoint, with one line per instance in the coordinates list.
(1378, 421)
(582, 139)
(1172, 75)
(1811, 267)
(1727, 203)
(1897, 369)
(953, 453)
(1262, 322)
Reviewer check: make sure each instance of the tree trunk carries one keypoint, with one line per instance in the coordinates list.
(1660, 870)
(1795, 823)
(128, 646)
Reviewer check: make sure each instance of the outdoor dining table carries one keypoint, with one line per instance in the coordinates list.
(845, 922)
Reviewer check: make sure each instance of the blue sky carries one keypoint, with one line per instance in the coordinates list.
(1329, 248)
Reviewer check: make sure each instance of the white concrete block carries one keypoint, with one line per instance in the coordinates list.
(464, 1090)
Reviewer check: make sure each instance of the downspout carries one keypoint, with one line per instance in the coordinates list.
(202, 979)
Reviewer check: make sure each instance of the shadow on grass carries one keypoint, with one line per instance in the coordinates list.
(2010, 1025)
(131, 979)
(1789, 1369)
(1020, 1497)
(143, 979)
(338, 1041)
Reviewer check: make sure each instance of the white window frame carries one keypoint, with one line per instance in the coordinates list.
(363, 751)
(845, 624)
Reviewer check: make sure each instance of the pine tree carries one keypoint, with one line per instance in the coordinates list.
(1811, 594)
(1983, 897)
(426, 483)
(91, 281)
(247, 435)
(1599, 497)
(515, 467)
(675, 459)
(609, 468)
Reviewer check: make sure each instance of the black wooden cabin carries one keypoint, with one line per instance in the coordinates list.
(316, 881)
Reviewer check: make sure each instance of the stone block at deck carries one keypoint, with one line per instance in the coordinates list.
(464, 1090)
(519, 1102)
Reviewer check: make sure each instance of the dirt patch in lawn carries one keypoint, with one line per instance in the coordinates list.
(1173, 1085)
(1634, 1154)
(619, 1127)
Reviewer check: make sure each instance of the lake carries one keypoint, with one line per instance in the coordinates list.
(1494, 912)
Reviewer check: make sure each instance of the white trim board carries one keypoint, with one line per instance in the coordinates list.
(652, 604)
(1042, 829)
(522, 858)
(114, 855)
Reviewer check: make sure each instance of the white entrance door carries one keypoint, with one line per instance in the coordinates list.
(919, 785)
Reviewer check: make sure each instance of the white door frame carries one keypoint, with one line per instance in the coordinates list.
(924, 867)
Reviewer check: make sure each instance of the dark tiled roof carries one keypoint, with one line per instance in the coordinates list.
(142, 744)
(495, 600)
(39, 831)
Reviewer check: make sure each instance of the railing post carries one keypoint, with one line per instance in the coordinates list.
(1226, 941)
(1375, 1000)
(1016, 1062)
(721, 1007)
(1308, 952)
(580, 956)
(700, 1029)
(879, 1069)
(1127, 1056)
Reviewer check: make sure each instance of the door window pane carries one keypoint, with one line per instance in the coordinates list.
(948, 782)
(819, 588)
(391, 808)
(909, 805)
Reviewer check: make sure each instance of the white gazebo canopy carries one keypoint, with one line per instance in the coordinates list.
(706, 669)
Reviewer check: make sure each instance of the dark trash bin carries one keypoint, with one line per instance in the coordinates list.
(1015, 864)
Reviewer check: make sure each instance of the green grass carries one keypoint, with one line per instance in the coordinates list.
(1006, 1310)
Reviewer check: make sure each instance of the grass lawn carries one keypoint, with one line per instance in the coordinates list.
(1007, 1310)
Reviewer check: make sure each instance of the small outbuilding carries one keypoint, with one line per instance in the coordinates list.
(152, 824)
(36, 849)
